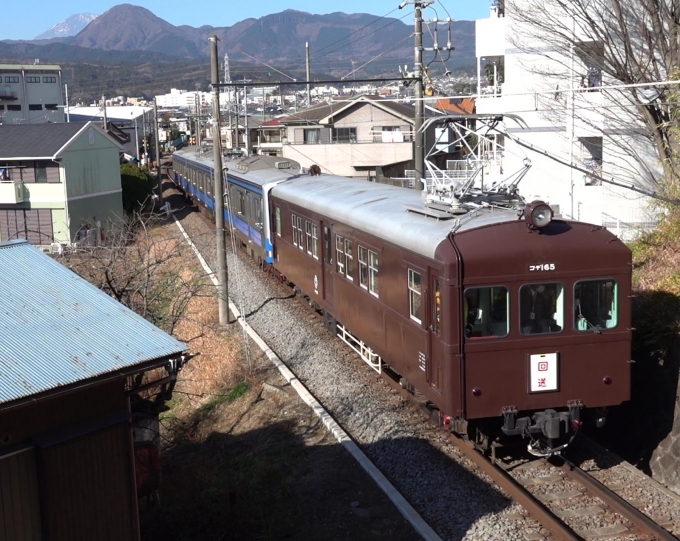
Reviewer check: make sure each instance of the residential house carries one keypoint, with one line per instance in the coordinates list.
(31, 94)
(71, 360)
(58, 182)
(558, 94)
(365, 137)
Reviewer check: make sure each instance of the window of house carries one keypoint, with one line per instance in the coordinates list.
(541, 308)
(340, 254)
(51, 106)
(40, 172)
(486, 312)
(349, 259)
(11, 79)
(14, 107)
(596, 305)
(31, 79)
(35, 106)
(373, 272)
(278, 221)
(49, 79)
(2, 107)
(312, 137)
(344, 135)
(363, 267)
(414, 295)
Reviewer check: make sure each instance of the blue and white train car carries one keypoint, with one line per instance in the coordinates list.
(249, 181)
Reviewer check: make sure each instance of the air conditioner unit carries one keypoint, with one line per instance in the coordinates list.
(55, 248)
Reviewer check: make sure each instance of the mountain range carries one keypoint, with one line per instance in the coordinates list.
(278, 37)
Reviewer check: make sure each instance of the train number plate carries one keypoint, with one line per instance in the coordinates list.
(543, 373)
(542, 267)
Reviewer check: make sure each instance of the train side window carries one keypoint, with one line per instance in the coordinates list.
(363, 267)
(486, 312)
(349, 260)
(437, 308)
(299, 229)
(308, 230)
(257, 201)
(295, 235)
(340, 254)
(328, 256)
(596, 305)
(373, 272)
(414, 295)
(315, 241)
(241, 203)
(541, 308)
(278, 221)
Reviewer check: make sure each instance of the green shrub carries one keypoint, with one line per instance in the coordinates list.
(137, 186)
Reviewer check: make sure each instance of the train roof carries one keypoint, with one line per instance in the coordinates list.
(258, 170)
(397, 215)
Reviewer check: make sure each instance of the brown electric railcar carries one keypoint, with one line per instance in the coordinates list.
(500, 318)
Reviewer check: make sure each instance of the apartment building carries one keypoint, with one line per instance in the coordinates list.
(31, 94)
(558, 94)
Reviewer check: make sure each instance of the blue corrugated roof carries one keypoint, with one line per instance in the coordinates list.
(57, 329)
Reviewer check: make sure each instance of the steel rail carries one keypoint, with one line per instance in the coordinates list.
(613, 500)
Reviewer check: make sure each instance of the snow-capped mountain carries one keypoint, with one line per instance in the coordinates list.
(69, 27)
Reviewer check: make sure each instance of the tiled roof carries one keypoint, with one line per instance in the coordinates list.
(35, 140)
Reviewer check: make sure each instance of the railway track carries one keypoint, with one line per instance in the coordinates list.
(533, 484)
(541, 486)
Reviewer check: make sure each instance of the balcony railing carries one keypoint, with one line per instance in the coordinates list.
(12, 192)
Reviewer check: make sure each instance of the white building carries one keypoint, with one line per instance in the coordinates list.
(31, 94)
(559, 97)
(183, 98)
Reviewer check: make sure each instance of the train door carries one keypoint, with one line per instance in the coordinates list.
(327, 278)
(434, 330)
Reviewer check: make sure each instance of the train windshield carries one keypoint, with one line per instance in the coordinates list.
(541, 308)
(486, 312)
(596, 305)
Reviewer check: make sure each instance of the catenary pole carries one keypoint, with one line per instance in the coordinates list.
(222, 275)
(418, 153)
(158, 152)
(309, 87)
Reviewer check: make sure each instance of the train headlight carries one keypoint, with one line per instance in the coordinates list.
(538, 214)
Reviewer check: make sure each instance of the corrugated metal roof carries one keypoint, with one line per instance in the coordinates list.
(57, 329)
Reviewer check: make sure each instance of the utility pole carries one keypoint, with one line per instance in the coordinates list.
(68, 113)
(419, 73)
(158, 153)
(222, 273)
(104, 104)
(309, 87)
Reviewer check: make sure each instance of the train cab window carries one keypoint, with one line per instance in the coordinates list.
(541, 308)
(340, 254)
(596, 305)
(414, 295)
(437, 308)
(278, 221)
(486, 312)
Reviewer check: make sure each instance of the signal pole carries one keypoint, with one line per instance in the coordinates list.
(222, 272)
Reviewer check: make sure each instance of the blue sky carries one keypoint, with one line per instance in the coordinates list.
(22, 23)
